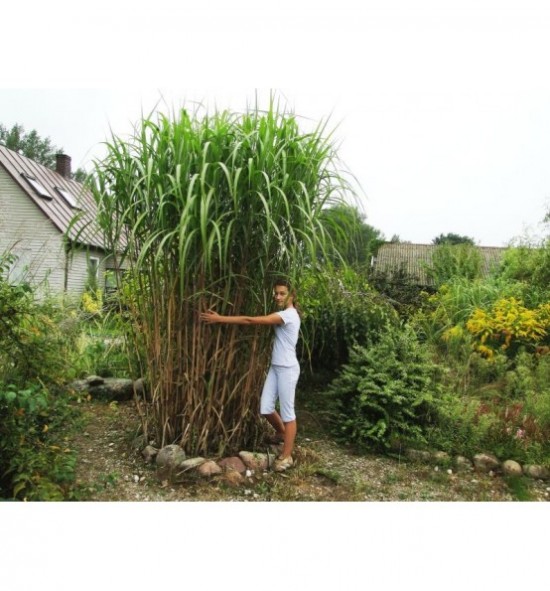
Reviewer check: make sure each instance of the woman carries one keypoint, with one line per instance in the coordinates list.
(284, 370)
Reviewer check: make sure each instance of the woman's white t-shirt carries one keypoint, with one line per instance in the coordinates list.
(286, 337)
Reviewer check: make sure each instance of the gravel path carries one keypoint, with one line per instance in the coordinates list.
(110, 468)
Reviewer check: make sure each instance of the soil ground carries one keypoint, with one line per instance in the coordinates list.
(110, 468)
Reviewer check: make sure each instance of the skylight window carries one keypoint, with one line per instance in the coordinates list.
(67, 196)
(37, 186)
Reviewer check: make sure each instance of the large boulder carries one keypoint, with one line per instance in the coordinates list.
(141, 390)
(119, 389)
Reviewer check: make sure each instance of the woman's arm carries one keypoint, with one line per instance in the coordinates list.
(211, 317)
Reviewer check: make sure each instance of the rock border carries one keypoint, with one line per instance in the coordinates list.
(173, 466)
(481, 462)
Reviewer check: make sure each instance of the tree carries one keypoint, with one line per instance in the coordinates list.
(353, 239)
(452, 238)
(32, 146)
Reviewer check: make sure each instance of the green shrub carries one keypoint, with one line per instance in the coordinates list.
(507, 413)
(400, 289)
(528, 263)
(451, 261)
(340, 310)
(455, 302)
(35, 463)
(462, 427)
(34, 344)
(388, 390)
(101, 348)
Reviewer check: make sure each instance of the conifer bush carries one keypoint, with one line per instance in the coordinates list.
(389, 390)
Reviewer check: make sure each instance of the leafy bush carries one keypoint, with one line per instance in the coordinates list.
(101, 354)
(340, 310)
(462, 427)
(528, 262)
(36, 345)
(506, 411)
(400, 289)
(451, 261)
(33, 341)
(456, 301)
(35, 463)
(388, 390)
(508, 326)
(92, 302)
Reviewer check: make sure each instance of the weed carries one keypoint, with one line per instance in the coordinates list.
(518, 487)
(329, 474)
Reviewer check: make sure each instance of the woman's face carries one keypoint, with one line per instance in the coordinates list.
(281, 296)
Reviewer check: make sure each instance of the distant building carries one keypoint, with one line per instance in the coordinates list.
(37, 225)
(415, 259)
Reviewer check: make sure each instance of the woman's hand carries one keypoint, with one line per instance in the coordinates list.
(210, 317)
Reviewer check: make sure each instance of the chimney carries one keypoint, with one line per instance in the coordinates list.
(63, 165)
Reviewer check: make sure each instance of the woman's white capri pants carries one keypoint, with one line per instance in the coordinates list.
(280, 383)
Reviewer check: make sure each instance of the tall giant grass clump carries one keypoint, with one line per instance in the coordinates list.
(209, 210)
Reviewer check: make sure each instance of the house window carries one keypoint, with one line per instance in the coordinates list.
(93, 271)
(37, 186)
(67, 196)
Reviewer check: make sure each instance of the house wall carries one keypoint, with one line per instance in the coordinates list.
(31, 236)
(78, 269)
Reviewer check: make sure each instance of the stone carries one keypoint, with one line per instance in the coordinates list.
(418, 455)
(232, 464)
(79, 386)
(463, 464)
(119, 389)
(168, 459)
(512, 468)
(170, 456)
(94, 381)
(535, 471)
(209, 468)
(254, 461)
(233, 478)
(149, 453)
(141, 390)
(191, 464)
(486, 463)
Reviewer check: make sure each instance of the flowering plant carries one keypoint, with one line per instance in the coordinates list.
(508, 325)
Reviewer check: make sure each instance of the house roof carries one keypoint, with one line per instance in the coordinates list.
(84, 230)
(414, 259)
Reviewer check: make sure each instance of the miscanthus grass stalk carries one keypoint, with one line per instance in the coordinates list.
(209, 210)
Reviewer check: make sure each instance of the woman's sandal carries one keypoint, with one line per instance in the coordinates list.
(282, 464)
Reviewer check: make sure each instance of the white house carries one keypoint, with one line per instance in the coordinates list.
(37, 213)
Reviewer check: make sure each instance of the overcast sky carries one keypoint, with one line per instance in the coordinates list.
(444, 117)
(442, 112)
